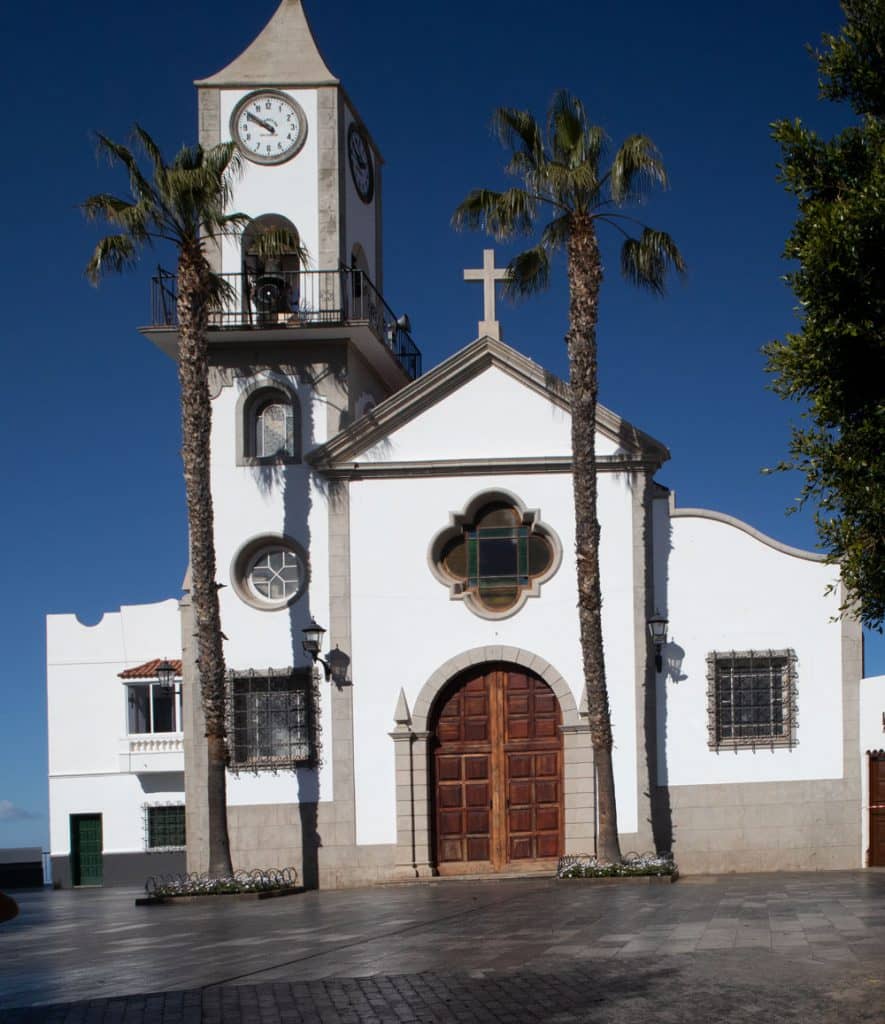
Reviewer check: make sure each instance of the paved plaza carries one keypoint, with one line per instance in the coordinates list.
(787, 947)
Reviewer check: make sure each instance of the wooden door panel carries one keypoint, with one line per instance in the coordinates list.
(877, 810)
(497, 772)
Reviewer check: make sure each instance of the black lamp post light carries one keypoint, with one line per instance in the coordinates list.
(657, 630)
(312, 643)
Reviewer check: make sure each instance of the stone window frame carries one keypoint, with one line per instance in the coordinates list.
(254, 396)
(459, 521)
(305, 680)
(785, 659)
(163, 847)
(246, 555)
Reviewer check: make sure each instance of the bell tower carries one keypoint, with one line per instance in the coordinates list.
(309, 167)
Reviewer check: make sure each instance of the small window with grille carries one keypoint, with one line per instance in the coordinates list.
(270, 720)
(752, 699)
(164, 827)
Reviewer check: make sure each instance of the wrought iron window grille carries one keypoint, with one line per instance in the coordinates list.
(164, 827)
(272, 720)
(752, 699)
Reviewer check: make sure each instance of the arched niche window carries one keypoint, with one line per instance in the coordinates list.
(359, 275)
(495, 555)
(272, 279)
(268, 421)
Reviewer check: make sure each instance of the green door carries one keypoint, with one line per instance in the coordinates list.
(86, 849)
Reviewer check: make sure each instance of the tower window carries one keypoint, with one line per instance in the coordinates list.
(268, 421)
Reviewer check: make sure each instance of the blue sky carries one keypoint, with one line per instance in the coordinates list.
(94, 511)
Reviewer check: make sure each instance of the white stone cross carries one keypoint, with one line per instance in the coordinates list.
(489, 274)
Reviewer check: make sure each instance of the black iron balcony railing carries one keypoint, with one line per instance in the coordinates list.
(306, 298)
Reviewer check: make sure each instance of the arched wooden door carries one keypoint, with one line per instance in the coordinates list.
(497, 772)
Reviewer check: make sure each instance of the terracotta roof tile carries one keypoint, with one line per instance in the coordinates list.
(149, 669)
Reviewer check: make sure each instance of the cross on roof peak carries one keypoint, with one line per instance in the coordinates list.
(488, 274)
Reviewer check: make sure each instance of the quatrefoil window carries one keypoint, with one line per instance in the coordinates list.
(495, 554)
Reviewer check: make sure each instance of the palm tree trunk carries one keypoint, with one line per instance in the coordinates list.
(585, 278)
(196, 423)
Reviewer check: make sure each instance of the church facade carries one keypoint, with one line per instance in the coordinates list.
(426, 520)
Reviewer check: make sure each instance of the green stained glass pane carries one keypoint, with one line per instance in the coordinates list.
(472, 555)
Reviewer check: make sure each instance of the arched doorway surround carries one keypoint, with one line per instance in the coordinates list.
(414, 777)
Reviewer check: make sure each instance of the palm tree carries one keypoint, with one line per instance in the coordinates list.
(185, 203)
(560, 170)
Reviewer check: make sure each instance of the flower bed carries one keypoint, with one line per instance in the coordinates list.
(634, 865)
(261, 883)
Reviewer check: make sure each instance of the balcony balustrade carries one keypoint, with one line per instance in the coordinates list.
(292, 300)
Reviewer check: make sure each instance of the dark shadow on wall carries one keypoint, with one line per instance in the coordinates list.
(657, 545)
(291, 480)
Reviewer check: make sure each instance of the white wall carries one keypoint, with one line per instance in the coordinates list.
(289, 189)
(725, 590)
(252, 501)
(119, 798)
(492, 415)
(87, 716)
(872, 737)
(405, 626)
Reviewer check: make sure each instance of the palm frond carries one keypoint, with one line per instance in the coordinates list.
(566, 128)
(501, 214)
(555, 234)
(113, 254)
(528, 272)
(518, 130)
(636, 167)
(647, 260)
(280, 242)
(140, 187)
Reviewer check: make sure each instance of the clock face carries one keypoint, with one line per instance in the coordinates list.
(268, 126)
(361, 169)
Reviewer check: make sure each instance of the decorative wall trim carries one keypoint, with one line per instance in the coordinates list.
(479, 467)
(452, 374)
(722, 517)
(493, 653)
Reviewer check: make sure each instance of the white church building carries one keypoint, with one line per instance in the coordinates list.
(449, 734)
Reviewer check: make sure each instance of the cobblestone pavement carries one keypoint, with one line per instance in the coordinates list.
(788, 947)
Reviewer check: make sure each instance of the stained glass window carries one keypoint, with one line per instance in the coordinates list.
(497, 556)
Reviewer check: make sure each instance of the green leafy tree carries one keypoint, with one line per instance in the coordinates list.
(561, 174)
(835, 365)
(185, 203)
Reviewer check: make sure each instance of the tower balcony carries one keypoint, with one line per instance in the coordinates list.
(295, 306)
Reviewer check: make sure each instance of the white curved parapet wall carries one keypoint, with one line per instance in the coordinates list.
(725, 586)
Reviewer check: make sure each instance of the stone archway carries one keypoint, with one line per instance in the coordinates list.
(414, 799)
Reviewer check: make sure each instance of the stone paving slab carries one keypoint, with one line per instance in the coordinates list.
(807, 947)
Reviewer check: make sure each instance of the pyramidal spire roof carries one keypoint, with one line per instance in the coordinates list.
(283, 53)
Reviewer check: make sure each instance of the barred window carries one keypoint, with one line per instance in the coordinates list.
(270, 720)
(164, 827)
(752, 698)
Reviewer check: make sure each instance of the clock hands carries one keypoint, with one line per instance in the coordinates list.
(266, 125)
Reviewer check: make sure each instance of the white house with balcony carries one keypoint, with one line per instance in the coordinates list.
(438, 723)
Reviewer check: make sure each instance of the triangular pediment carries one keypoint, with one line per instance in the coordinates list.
(486, 378)
(283, 53)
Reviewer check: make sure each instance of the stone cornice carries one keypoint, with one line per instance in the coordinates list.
(479, 467)
(453, 373)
